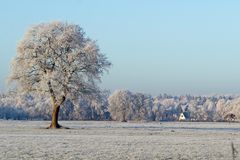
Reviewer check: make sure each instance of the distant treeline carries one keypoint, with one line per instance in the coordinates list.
(122, 105)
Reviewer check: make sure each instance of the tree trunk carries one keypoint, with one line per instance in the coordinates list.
(123, 117)
(54, 123)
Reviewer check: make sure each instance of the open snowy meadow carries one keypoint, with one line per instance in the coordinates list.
(115, 140)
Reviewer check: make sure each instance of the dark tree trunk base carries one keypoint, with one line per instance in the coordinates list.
(57, 127)
(54, 126)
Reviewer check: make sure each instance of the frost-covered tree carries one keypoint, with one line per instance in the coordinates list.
(138, 110)
(57, 59)
(125, 105)
(135, 107)
(120, 105)
(146, 110)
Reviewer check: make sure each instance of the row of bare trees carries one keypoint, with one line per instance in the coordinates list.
(121, 105)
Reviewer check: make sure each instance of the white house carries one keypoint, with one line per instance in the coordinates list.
(182, 117)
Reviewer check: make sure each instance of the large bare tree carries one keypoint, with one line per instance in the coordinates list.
(57, 59)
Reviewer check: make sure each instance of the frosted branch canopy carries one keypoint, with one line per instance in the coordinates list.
(59, 54)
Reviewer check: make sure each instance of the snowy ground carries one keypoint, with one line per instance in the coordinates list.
(113, 140)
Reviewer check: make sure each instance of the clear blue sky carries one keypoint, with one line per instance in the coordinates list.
(156, 46)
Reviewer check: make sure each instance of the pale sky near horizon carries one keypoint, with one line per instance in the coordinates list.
(156, 46)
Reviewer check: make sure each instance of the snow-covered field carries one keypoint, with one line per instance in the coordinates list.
(114, 140)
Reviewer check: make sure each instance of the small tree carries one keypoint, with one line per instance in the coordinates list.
(57, 59)
(120, 104)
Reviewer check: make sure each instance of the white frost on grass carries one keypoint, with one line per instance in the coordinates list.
(114, 140)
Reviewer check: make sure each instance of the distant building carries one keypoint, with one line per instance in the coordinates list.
(182, 117)
(230, 117)
(185, 114)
